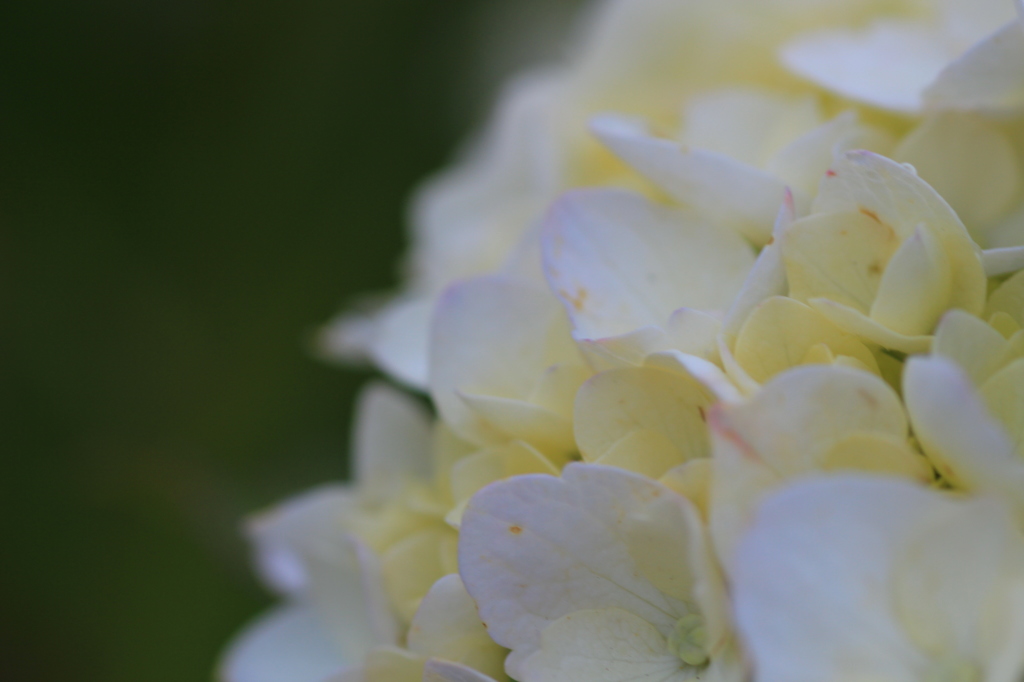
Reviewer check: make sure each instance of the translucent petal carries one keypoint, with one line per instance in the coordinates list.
(915, 288)
(733, 194)
(988, 77)
(619, 262)
(535, 548)
(286, 645)
(603, 645)
(781, 331)
(887, 65)
(614, 403)
(968, 161)
(839, 256)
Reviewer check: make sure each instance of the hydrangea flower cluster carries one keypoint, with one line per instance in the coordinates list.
(723, 322)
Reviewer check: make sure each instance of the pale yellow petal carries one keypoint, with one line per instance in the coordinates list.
(916, 286)
(781, 332)
(857, 323)
(969, 161)
(612, 404)
(839, 256)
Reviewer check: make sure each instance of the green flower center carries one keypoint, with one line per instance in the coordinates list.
(689, 640)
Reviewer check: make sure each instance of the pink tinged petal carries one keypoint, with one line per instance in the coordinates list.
(286, 645)
(619, 262)
(957, 432)
(862, 181)
(731, 193)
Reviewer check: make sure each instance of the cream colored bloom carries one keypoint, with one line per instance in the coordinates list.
(707, 256)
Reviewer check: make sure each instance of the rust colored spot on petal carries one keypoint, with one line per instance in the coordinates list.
(830, 173)
(577, 301)
(515, 530)
(871, 214)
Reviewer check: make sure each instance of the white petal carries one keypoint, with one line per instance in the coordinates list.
(1008, 298)
(612, 404)
(492, 336)
(535, 548)
(303, 543)
(446, 671)
(401, 340)
(467, 219)
(970, 343)
(887, 65)
(840, 256)
(970, 555)
(603, 645)
(619, 262)
(733, 194)
(988, 77)
(1003, 261)
(916, 286)
(810, 580)
(898, 198)
(968, 161)
(286, 645)
(789, 428)
(892, 191)
(802, 163)
(391, 441)
(857, 323)
(448, 626)
(779, 334)
(745, 124)
(766, 278)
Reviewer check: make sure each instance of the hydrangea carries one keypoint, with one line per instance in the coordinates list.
(722, 322)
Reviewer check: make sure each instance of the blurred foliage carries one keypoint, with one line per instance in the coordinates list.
(187, 188)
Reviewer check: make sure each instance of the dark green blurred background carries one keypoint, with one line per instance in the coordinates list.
(187, 189)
